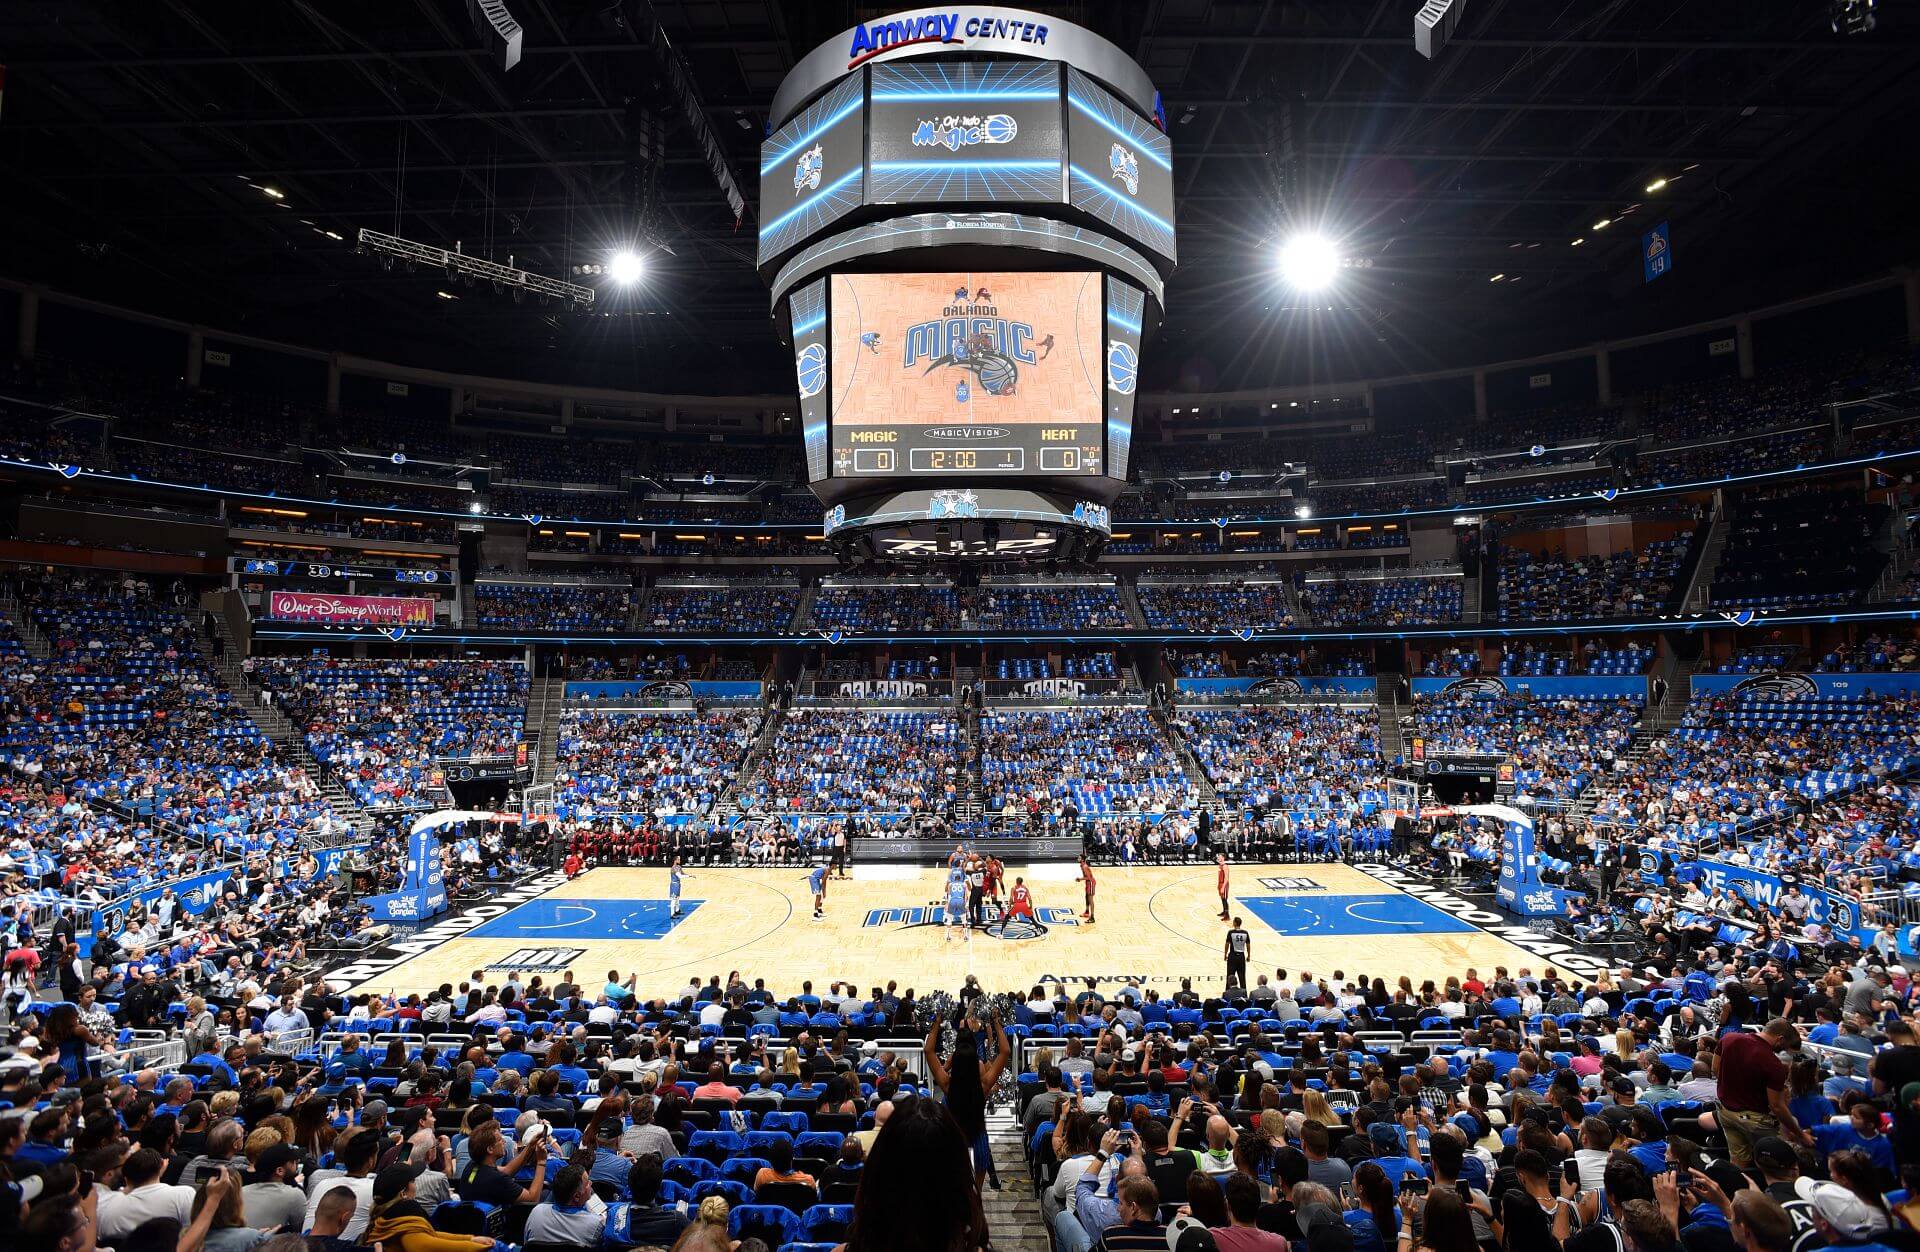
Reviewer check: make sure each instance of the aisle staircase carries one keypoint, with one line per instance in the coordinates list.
(803, 611)
(32, 638)
(546, 705)
(1013, 1212)
(1386, 698)
(1203, 786)
(1700, 586)
(275, 725)
(1130, 601)
(1470, 589)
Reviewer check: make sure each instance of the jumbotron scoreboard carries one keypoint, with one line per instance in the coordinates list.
(966, 219)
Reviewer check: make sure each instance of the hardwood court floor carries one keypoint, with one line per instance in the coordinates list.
(1158, 923)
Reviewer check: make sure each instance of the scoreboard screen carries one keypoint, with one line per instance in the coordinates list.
(962, 373)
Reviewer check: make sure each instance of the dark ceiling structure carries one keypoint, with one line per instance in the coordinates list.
(138, 142)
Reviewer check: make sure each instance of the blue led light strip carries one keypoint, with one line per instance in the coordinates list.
(800, 144)
(1127, 201)
(773, 224)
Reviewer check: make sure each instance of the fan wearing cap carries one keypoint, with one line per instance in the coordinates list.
(1843, 1218)
(272, 1201)
(400, 1221)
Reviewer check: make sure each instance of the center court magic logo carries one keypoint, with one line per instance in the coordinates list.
(995, 924)
(955, 132)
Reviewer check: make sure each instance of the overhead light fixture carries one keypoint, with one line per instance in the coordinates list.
(625, 267)
(1603, 223)
(1496, 278)
(1308, 262)
(1576, 243)
(1656, 185)
(273, 193)
(476, 508)
(446, 295)
(332, 234)
(1293, 404)
(1303, 511)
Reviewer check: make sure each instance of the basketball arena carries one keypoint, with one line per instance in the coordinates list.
(782, 627)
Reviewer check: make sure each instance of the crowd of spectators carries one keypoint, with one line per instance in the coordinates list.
(887, 609)
(662, 765)
(1092, 761)
(384, 726)
(734, 609)
(1555, 587)
(842, 760)
(552, 606)
(1559, 745)
(1382, 601)
(1215, 606)
(1798, 547)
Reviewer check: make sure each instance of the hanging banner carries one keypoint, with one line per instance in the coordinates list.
(305, 606)
(1656, 252)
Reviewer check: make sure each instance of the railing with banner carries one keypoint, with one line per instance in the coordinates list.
(196, 892)
(1844, 913)
(661, 692)
(1271, 689)
(1795, 686)
(883, 689)
(1554, 687)
(1058, 688)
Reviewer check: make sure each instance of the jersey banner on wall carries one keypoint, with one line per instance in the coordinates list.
(967, 373)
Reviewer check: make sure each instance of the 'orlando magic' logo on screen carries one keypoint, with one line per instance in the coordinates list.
(1486, 687)
(969, 335)
(1123, 368)
(954, 133)
(810, 364)
(1125, 166)
(806, 171)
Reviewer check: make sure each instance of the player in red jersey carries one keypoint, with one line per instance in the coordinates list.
(1020, 901)
(1086, 876)
(1221, 861)
(991, 875)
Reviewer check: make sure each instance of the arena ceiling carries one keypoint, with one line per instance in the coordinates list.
(135, 141)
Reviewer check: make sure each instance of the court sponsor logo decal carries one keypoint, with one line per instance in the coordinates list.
(455, 926)
(1564, 956)
(1291, 884)
(537, 960)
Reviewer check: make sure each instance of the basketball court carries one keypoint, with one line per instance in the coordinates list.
(1156, 923)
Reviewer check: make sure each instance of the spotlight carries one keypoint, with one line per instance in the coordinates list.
(1308, 262)
(476, 508)
(625, 268)
(1304, 511)
(1656, 185)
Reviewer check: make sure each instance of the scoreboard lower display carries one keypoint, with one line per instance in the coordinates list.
(966, 373)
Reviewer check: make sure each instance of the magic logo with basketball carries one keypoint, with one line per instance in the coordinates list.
(959, 348)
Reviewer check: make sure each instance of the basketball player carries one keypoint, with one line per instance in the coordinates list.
(956, 903)
(1020, 901)
(673, 889)
(1086, 877)
(817, 880)
(1239, 948)
(871, 342)
(1046, 347)
(1221, 861)
(991, 875)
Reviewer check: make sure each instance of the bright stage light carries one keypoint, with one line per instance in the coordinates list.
(1308, 262)
(626, 267)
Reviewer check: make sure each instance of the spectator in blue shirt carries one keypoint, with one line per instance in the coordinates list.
(1391, 1155)
(516, 1057)
(1859, 1133)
